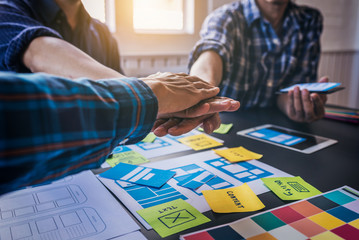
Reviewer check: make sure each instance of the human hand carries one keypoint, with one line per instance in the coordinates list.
(179, 126)
(205, 113)
(301, 106)
(177, 92)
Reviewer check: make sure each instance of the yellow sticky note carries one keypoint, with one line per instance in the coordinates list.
(199, 142)
(238, 154)
(236, 199)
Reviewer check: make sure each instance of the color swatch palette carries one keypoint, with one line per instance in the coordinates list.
(331, 215)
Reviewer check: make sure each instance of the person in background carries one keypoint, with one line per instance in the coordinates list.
(60, 38)
(52, 126)
(70, 118)
(253, 48)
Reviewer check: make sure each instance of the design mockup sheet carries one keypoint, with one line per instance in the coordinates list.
(76, 207)
(227, 174)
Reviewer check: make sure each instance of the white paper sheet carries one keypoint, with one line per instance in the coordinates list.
(162, 146)
(228, 175)
(131, 236)
(76, 207)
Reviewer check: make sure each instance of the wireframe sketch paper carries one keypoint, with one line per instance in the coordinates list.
(228, 174)
(76, 207)
(161, 146)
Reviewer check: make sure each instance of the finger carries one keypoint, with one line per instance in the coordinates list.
(220, 104)
(298, 107)
(186, 125)
(159, 122)
(211, 123)
(324, 79)
(195, 111)
(318, 106)
(290, 104)
(323, 98)
(309, 114)
(162, 129)
(223, 104)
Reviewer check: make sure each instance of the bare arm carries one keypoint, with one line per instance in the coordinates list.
(209, 67)
(58, 57)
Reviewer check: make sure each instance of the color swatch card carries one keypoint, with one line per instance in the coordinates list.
(195, 180)
(332, 215)
(237, 154)
(139, 175)
(172, 217)
(229, 200)
(125, 155)
(200, 142)
(290, 188)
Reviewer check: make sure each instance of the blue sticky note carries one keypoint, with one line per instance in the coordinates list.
(121, 149)
(194, 180)
(139, 175)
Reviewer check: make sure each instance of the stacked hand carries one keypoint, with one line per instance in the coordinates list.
(184, 102)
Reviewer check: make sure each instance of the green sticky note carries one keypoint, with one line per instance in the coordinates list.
(223, 128)
(172, 217)
(290, 188)
(149, 138)
(130, 157)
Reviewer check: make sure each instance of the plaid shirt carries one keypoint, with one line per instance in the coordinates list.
(51, 127)
(256, 61)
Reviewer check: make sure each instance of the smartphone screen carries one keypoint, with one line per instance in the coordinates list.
(288, 138)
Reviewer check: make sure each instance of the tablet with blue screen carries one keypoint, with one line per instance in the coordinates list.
(288, 138)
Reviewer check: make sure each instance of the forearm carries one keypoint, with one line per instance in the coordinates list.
(55, 56)
(208, 67)
(51, 132)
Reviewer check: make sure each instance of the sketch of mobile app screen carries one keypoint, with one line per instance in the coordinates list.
(67, 225)
(22, 205)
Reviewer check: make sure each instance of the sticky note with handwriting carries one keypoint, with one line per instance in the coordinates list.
(172, 217)
(237, 154)
(236, 199)
(290, 188)
(199, 142)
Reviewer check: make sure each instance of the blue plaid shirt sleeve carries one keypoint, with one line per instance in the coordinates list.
(308, 59)
(52, 127)
(17, 30)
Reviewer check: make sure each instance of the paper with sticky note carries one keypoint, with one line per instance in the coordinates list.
(172, 217)
(290, 188)
(130, 157)
(237, 154)
(150, 138)
(195, 180)
(139, 175)
(236, 199)
(223, 128)
(199, 142)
